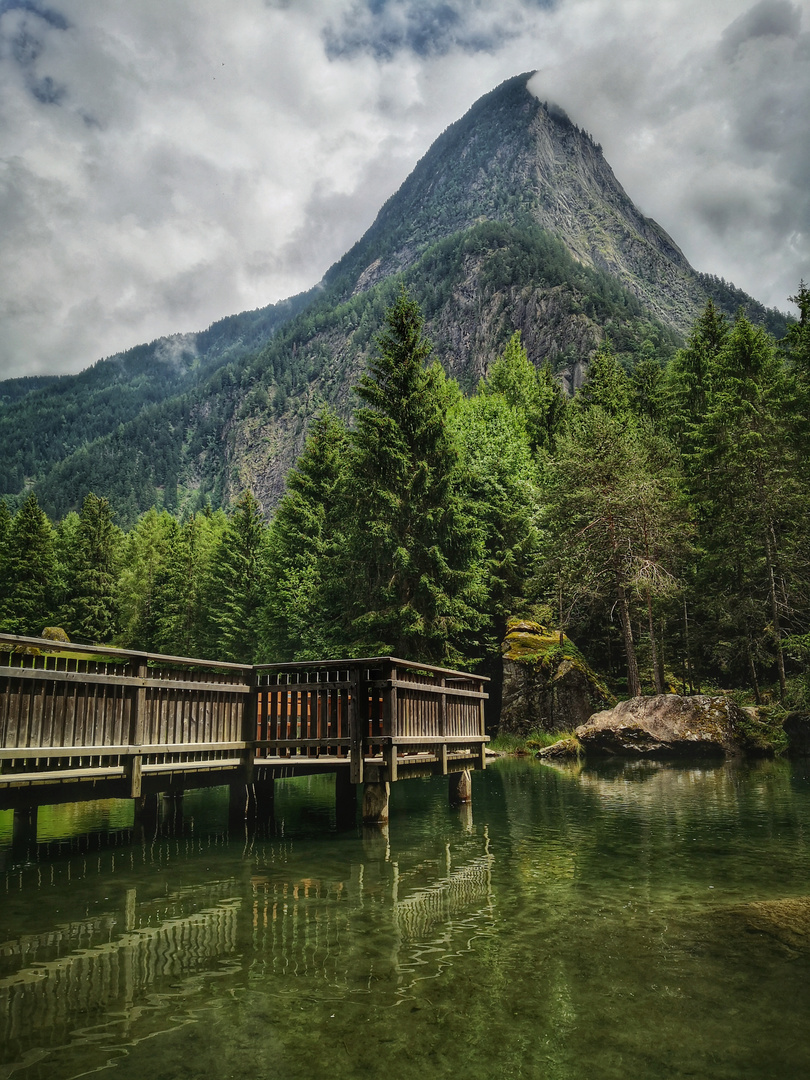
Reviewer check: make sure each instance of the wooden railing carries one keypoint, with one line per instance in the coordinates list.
(79, 713)
(379, 712)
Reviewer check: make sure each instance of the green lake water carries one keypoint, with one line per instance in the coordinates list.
(633, 922)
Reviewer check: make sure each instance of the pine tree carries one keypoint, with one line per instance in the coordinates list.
(183, 616)
(499, 484)
(413, 552)
(690, 378)
(5, 532)
(91, 609)
(747, 486)
(238, 584)
(606, 384)
(143, 580)
(532, 392)
(304, 616)
(29, 571)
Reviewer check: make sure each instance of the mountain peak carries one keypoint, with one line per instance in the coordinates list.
(512, 158)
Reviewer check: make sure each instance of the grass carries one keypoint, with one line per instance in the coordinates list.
(529, 744)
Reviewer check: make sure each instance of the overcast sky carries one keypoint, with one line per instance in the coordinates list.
(167, 162)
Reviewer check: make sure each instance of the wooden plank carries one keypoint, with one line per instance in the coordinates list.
(426, 688)
(61, 776)
(192, 766)
(369, 661)
(334, 741)
(50, 675)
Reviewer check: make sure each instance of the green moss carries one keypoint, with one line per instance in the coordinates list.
(529, 642)
(760, 731)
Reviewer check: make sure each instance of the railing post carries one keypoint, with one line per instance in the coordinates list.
(137, 722)
(443, 727)
(390, 723)
(250, 712)
(482, 730)
(357, 720)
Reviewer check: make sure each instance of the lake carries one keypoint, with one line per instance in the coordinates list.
(621, 921)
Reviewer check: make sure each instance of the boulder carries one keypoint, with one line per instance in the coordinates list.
(796, 726)
(667, 726)
(547, 685)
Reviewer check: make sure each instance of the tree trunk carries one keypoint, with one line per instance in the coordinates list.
(752, 671)
(688, 651)
(633, 678)
(656, 670)
(777, 630)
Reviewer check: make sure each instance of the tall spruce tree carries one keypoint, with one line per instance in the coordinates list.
(690, 378)
(143, 580)
(305, 613)
(182, 616)
(29, 570)
(413, 553)
(530, 391)
(237, 590)
(499, 482)
(91, 608)
(747, 486)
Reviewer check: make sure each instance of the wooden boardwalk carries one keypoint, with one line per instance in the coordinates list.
(80, 722)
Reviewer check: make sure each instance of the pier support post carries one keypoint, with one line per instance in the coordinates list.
(264, 798)
(345, 799)
(146, 816)
(460, 788)
(240, 803)
(24, 834)
(375, 803)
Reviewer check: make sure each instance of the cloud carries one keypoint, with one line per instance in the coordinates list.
(163, 165)
(710, 137)
(427, 28)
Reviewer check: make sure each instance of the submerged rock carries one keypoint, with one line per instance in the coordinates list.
(668, 726)
(547, 685)
(788, 921)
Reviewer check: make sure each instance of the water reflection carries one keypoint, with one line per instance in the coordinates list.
(605, 923)
(113, 942)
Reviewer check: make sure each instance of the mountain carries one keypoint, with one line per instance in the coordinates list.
(513, 220)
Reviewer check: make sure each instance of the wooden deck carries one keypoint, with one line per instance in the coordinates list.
(79, 722)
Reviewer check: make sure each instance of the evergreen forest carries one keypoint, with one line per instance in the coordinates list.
(656, 519)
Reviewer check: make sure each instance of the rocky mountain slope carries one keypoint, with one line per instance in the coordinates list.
(512, 220)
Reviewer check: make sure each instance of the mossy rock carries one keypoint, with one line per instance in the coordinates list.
(548, 685)
(55, 633)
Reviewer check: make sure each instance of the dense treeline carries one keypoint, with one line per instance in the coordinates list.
(54, 428)
(657, 518)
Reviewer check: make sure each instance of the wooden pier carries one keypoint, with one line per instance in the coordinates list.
(81, 722)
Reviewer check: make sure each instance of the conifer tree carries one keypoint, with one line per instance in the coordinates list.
(747, 486)
(615, 513)
(91, 609)
(29, 571)
(5, 531)
(238, 584)
(305, 611)
(499, 484)
(606, 384)
(690, 378)
(413, 553)
(532, 392)
(143, 581)
(183, 616)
